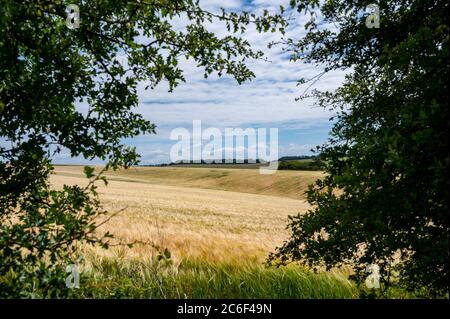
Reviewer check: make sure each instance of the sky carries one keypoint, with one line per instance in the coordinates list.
(267, 101)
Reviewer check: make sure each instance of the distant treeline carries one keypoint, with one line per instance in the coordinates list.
(303, 163)
(224, 162)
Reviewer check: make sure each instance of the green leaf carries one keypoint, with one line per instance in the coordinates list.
(89, 171)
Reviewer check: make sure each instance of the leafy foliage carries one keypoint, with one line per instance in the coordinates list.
(46, 69)
(384, 200)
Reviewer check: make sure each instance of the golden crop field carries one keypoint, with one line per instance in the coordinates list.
(219, 226)
(212, 213)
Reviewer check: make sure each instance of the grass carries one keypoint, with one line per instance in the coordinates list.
(197, 278)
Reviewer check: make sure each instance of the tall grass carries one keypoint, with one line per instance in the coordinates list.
(196, 278)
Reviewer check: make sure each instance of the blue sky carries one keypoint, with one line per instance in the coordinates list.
(266, 101)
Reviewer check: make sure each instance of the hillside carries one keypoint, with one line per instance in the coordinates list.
(291, 184)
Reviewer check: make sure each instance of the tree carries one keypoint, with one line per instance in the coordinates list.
(384, 199)
(48, 66)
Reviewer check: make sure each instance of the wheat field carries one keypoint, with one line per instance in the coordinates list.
(197, 221)
(218, 224)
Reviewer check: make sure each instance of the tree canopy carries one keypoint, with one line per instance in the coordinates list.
(74, 87)
(384, 199)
